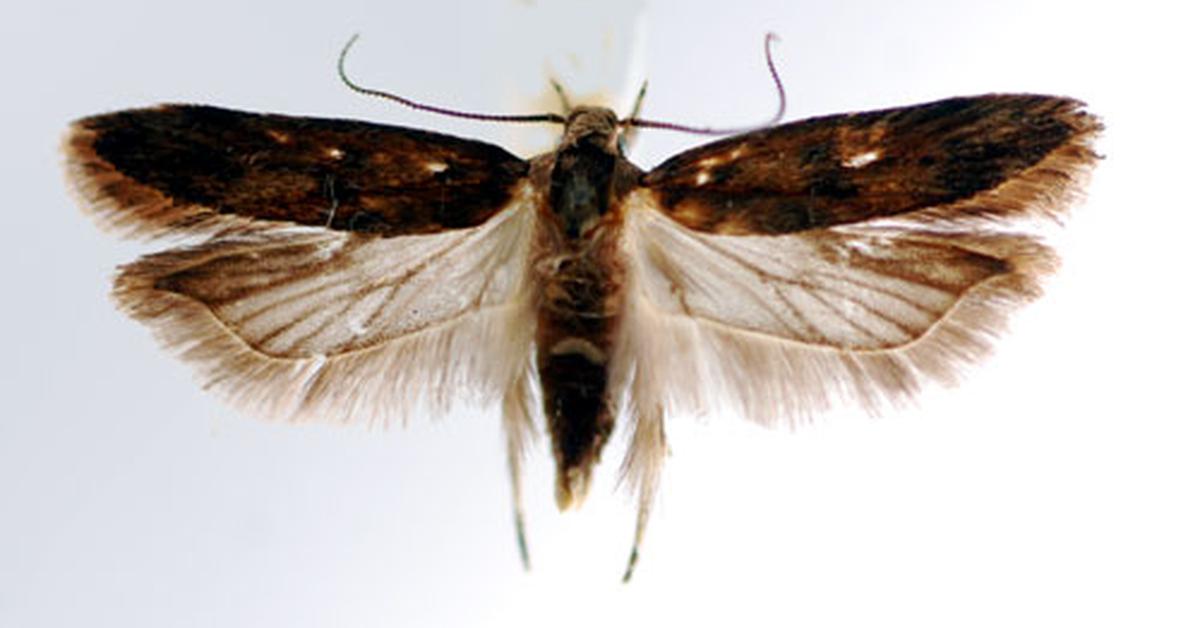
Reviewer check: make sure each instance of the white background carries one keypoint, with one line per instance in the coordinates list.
(1057, 486)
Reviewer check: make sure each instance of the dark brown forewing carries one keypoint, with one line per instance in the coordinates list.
(150, 171)
(846, 168)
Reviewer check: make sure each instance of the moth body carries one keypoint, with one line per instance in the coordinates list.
(579, 285)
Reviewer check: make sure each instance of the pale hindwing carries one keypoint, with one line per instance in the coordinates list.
(309, 323)
(780, 326)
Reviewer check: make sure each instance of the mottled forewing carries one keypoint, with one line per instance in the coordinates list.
(186, 167)
(842, 169)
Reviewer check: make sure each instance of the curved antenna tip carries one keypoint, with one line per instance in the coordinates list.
(420, 106)
(634, 121)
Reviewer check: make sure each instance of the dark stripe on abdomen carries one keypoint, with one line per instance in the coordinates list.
(575, 389)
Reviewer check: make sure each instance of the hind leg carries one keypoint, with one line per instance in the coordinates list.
(518, 431)
(642, 466)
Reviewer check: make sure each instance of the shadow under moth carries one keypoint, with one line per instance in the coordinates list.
(356, 272)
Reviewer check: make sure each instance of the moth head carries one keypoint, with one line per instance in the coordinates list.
(595, 126)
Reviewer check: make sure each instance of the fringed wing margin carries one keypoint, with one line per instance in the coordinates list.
(305, 323)
(777, 326)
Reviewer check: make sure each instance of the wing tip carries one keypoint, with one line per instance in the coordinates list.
(1049, 190)
(119, 204)
(113, 201)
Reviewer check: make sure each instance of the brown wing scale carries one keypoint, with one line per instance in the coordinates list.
(846, 168)
(172, 167)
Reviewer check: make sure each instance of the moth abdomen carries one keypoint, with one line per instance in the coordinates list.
(577, 330)
(579, 417)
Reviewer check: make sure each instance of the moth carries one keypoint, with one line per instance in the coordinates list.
(350, 271)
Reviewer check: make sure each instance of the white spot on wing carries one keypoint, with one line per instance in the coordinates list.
(435, 167)
(862, 247)
(334, 153)
(861, 159)
(703, 177)
(326, 250)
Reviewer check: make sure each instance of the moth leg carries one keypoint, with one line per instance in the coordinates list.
(643, 465)
(514, 472)
(645, 498)
(629, 133)
(518, 429)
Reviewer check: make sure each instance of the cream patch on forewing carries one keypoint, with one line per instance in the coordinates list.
(434, 167)
(861, 159)
(705, 166)
(690, 213)
(579, 346)
(279, 136)
(334, 153)
(721, 160)
(858, 147)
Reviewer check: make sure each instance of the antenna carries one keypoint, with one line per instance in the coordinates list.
(455, 113)
(671, 126)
